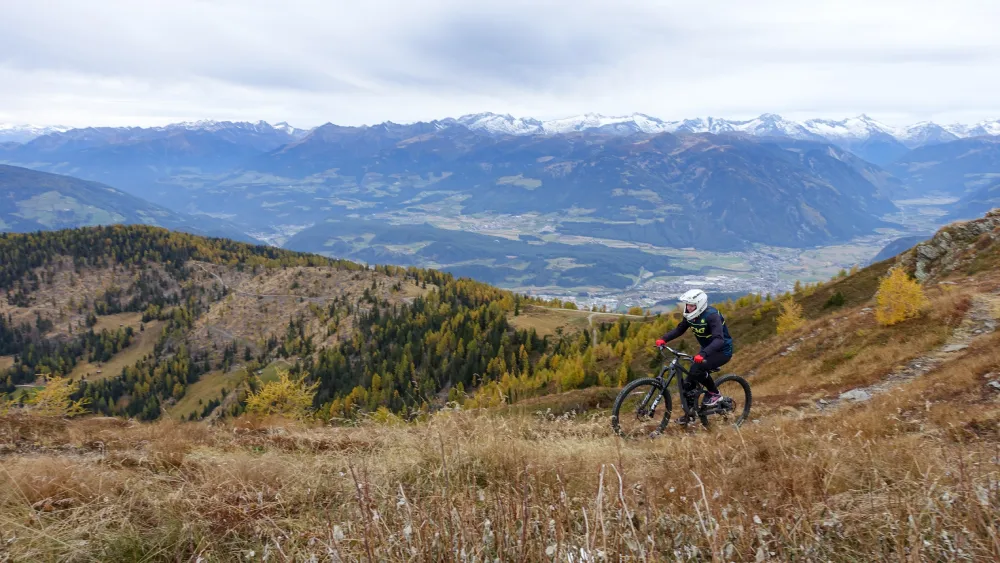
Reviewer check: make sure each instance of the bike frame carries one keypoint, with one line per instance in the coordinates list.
(677, 370)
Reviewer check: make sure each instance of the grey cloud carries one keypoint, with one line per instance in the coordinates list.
(316, 61)
(512, 49)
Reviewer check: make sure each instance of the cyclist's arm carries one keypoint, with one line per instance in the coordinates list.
(678, 330)
(717, 342)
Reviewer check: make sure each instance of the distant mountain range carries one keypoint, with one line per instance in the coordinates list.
(861, 134)
(10, 133)
(968, 168)
(260, 135)
(768, 124)
(868, 138)
(709, 184)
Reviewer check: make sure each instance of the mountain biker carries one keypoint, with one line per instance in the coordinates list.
(712, 334)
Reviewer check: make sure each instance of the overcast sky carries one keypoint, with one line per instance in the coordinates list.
(146, 62)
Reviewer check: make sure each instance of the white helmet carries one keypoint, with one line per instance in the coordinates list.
(694, 297)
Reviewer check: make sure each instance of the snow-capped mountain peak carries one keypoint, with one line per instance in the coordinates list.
(859, 127)
(924, 133)
(501, 124)
(213, 126)
(509, 125)
(637, 122)
(20, 133)
(771, 124)
(284, 126)
(989, 127)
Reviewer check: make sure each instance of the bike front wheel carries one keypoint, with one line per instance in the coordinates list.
(642, 408)
(736, 399)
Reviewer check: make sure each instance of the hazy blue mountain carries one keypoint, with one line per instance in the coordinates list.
(31, 200)
(976, 203)
(19, 133)
(925, 133)
(694, 189)
(146, 161)
(958, 168)
(899, 245)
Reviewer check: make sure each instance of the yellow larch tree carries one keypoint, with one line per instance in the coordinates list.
(899, 298)
(791, 316)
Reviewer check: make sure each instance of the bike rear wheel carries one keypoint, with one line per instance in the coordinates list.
(736, 399)
(641, 408)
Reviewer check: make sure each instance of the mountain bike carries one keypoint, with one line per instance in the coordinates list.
(635, 410)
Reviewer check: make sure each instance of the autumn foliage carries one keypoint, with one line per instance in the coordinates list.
(284, 397)
(899, 298)
(54, 400)
(791, 316)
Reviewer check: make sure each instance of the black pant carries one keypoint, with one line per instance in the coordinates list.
(699, 372)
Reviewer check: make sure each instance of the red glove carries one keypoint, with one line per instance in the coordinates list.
(698, 359)
(661, 342)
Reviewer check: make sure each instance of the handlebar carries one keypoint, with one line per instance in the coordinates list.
(674, 352)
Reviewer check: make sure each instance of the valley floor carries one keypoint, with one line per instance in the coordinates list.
(762, 269)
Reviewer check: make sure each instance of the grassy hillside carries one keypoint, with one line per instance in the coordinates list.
(907, 477)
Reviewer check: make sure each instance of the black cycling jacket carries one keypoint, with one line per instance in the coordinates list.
(710, 329)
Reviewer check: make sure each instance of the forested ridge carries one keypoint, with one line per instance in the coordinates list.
(399, 355)
(160, 288)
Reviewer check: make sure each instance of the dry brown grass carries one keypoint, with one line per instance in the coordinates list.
(545, 320)
(142, 345)
(209, 386)
(112, 323)
(261, 305)
(910, 476)
(842, 351)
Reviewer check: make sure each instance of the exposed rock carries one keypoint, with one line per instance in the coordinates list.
(949, 247)
(954, 347)
(995, 385)
(856, 395)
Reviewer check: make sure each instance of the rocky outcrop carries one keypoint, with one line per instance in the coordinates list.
(952, 246)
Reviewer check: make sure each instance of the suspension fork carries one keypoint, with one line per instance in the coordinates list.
(665, 388)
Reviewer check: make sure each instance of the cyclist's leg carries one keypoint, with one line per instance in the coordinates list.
(699, 372)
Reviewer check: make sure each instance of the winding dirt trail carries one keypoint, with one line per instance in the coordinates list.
(980, 320)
